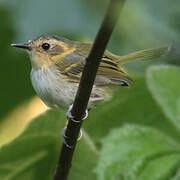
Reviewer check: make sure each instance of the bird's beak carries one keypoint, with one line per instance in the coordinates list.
(23, 46)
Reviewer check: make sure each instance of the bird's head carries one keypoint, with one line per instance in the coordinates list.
(46, 50)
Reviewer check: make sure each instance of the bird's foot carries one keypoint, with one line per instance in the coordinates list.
(65, 138)
(71, 117)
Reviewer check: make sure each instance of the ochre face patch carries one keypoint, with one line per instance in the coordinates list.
(46, 51)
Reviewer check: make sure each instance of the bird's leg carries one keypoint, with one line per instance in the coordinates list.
(70, 117)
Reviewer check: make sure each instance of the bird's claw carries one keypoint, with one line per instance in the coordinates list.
(64, 138)
(71, 117)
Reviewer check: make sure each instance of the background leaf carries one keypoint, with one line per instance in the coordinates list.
(34, 154)
(163, 83)
(129, 105)
(135, 152)
(15, 122)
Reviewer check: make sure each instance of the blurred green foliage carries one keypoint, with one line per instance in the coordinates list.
(138, 153)
(15, 83)
(134, 135)
(35, 153)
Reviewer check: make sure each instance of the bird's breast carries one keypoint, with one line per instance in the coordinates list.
(53, 88)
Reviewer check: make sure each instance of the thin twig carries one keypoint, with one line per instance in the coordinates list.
(85, 87)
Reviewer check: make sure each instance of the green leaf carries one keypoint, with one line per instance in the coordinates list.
(164, 86)
(34, 154)
(138, 153)
(129, 105)
(177, 175)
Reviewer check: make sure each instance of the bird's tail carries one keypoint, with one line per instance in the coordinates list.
(144, 54)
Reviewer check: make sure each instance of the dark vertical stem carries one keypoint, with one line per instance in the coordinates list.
(85, 87)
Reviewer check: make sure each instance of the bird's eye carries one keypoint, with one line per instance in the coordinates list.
(45, 46)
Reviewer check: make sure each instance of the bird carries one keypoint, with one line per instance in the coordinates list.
(58, 62)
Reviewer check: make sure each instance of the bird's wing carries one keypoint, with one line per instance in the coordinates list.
(109, 72)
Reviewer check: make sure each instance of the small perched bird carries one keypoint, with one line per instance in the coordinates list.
(57, 65)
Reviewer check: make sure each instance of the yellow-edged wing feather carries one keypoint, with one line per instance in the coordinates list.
(109, 71)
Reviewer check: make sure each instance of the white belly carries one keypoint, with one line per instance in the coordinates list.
(58, 92)
(53, 90)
